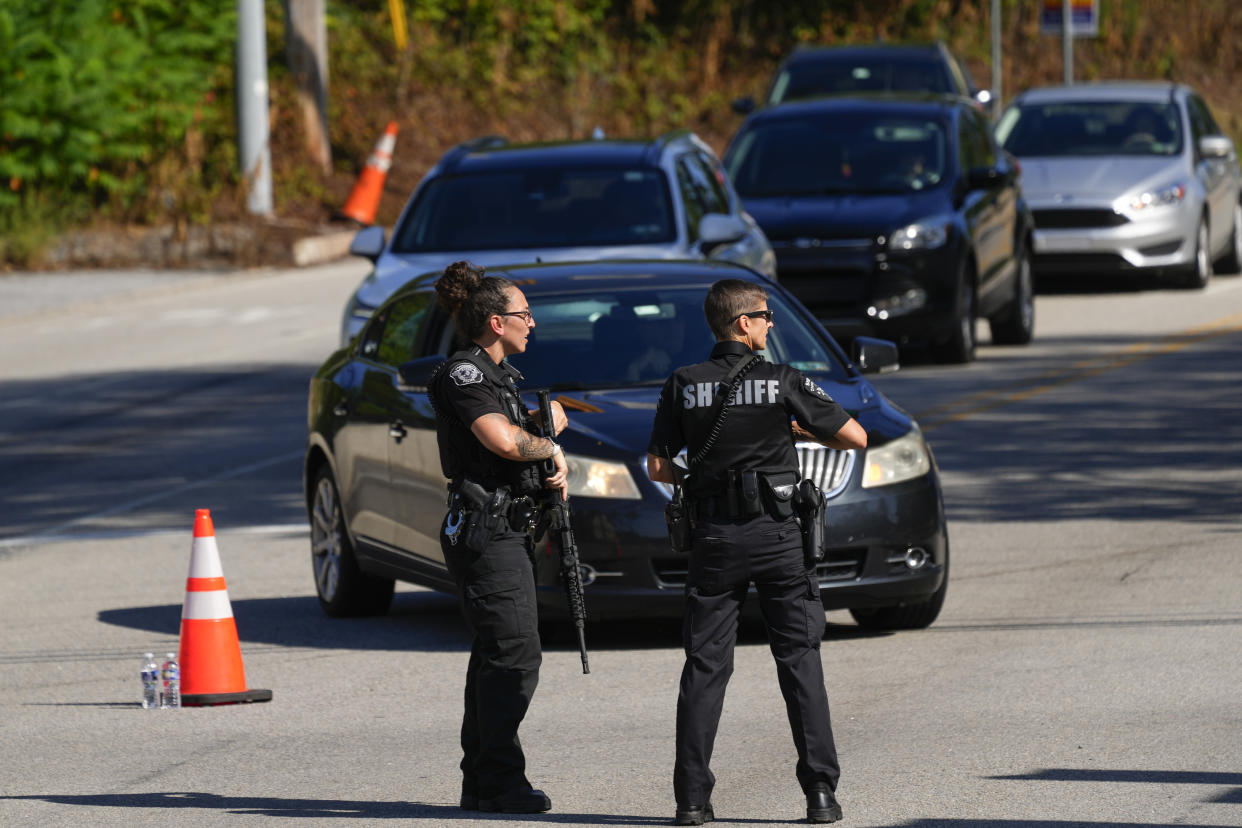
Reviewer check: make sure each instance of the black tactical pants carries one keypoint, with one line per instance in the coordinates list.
(497, 589)
(726, 556)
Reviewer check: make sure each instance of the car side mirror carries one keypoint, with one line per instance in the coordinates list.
(1215, 146)
(716, 229)
(369, 243)
(875, 356)
(415, 374)
(743, 106)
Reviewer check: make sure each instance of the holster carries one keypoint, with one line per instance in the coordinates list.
(677, 518)
(485, 516)
(813, 518)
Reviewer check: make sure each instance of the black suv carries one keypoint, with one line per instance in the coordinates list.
(812, 71)
(896, 215)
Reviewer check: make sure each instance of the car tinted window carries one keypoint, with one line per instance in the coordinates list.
(847, 74)
(1201, 120)
(1091, 128)
(538, 208)
(391, 337)
(703, 178)
(623, 337)
(839, 153)
(975, 145)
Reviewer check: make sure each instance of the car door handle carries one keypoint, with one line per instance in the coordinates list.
(341, 409)
(396, 431)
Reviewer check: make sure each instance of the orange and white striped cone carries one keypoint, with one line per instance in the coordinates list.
(210, 657)
(364, 199)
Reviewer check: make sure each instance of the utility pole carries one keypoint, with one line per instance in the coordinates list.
(252, 127)
(306, 51)
(1067, 39)
(996, 59)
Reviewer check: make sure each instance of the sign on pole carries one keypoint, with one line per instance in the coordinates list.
(1084, 15)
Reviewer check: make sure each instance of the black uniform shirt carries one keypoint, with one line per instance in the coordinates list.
(468, 393)
(757, 433)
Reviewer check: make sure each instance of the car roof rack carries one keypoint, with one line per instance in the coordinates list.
(483, 142)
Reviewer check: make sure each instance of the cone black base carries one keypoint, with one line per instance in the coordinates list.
(210, 699)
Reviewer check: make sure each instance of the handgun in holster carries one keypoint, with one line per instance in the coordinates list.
(677, 513)
(813, 518)
(485, 516)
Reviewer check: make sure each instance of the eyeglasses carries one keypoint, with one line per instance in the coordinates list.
(766, 314)
(525, 315)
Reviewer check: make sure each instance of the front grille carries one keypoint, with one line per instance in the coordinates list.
(841, 565)
(829, 468)
(1162, 249)
(838, 565)
(1062, 219)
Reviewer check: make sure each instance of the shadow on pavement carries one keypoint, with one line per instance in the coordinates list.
(354, 809)
(1217, 778)
(422, 621)
(323, 808)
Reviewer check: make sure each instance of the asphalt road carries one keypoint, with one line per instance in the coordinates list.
(1084, 670)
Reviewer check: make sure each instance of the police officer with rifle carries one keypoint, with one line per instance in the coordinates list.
(748, 518)
(496, 470)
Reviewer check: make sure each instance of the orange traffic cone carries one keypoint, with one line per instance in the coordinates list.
(210, 658)
(364, 199)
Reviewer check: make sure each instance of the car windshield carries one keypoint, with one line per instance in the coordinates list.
(638, 336)
(851, 74)
(1091, 128)
(538, 208)
(841, 152)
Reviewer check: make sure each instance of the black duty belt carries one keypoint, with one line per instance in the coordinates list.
(720, 507)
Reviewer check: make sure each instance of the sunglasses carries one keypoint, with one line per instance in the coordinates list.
(766, 314)
(525, 315)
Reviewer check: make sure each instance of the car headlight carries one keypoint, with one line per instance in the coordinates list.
(922, 235)
(897, 461)
(591, 477)
(1164, 197)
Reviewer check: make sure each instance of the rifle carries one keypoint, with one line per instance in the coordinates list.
(559, 522)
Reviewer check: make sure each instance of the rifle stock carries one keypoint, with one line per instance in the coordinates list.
(571, 575)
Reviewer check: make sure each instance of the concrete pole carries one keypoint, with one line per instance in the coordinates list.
(1067, 39)
(996, 59)
(252, 117)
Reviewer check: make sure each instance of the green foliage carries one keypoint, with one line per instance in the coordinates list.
(96, 92)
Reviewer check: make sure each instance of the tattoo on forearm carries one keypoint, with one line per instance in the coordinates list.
(531, 447)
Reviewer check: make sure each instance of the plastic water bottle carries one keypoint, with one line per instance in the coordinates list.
(170, 690)
(150, 681)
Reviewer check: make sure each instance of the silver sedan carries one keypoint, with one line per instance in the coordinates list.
(1125, 176)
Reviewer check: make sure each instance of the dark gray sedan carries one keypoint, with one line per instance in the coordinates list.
(606, 337)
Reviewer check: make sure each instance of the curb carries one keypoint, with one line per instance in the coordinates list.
(314, 250)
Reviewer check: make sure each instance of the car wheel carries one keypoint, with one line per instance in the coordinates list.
(1231, 262)
(916, 616)
(1200, 271)
(344, 589)
(960, 346)
(1015, 325)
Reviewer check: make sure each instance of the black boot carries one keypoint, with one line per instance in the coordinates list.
(694, 814)
(821, 806)
(519, 801)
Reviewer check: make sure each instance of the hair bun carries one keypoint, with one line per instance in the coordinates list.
(460, 279)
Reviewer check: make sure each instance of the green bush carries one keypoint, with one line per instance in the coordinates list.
(95, 93)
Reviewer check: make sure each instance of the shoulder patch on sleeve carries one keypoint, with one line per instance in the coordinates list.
(809, 386)
(464, 373)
